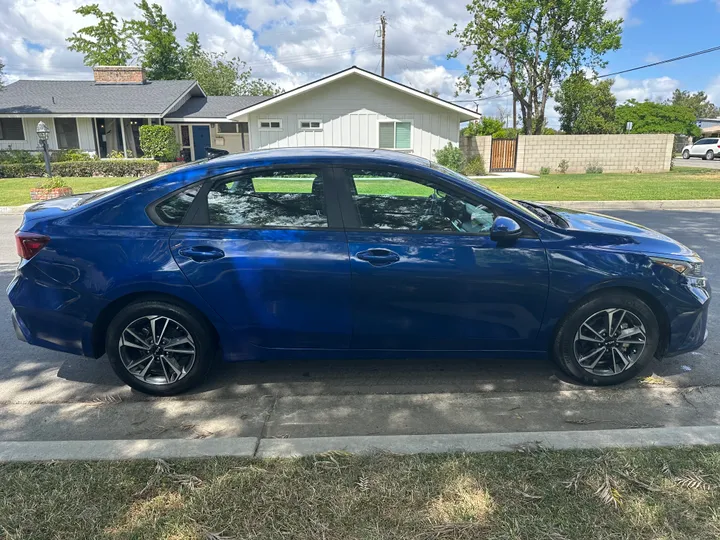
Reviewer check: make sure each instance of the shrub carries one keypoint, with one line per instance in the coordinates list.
(52, 183)
(71, 154)
(451, 157)
(117, 154)
(107, 167)
(544, 171)
(475, 167)
(159, 142)
(593, 168)
(19, 156)
(563, 166)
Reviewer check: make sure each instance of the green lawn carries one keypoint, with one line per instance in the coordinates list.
(532, 494)
(16, 191)
(678, 184)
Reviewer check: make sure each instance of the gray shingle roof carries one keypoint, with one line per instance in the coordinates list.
(215, 106)
(86, 97)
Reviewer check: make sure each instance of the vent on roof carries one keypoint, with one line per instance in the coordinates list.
(119, 75)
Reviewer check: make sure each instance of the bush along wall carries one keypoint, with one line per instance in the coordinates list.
(106, 167)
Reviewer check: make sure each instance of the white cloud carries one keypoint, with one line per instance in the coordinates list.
(656, 89)
(619, 8)
(651, 58)
(683, 1)
(713, 90)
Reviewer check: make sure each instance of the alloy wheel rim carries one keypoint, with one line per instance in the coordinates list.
(157, 350)
(609, 342)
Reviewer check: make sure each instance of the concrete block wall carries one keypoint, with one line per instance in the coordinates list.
(476, 146)
(614, 153)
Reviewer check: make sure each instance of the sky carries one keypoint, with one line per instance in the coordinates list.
(292, 42)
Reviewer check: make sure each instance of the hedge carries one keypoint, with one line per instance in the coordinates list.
(159, 142)
(105, 167)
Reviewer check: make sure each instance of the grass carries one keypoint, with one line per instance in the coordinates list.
(677, 184)
(16, 191)
(531, 494)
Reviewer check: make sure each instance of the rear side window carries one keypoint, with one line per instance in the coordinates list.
(173, 209)
(712, 141)
(292, 199)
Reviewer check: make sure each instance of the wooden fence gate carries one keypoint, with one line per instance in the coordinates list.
(503, 154)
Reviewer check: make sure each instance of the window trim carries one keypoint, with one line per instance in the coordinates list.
(22, 125)
(351, 216)
(310, 120)
(77, 132)
(270, 120)
(394, 123)
(219, 133)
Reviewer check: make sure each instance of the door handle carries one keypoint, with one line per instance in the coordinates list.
(202, 253)
(378, 256)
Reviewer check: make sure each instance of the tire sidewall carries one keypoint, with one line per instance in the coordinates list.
(564, 352)
(202, 338)
(686, 155)
(710, 155)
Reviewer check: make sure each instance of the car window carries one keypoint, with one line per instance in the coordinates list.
(269, 199)
(702, 141)
(173, 209)
(388, 200)
(712, 141)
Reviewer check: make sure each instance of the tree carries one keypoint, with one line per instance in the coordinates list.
(528, 45)
(486, 126)
(651, 117)
(153, 38)
(586, 106)
(2, 66)
(433, 93)
(698, 102)
(104, 44)
(219, 75)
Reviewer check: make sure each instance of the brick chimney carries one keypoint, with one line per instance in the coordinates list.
(119, 75)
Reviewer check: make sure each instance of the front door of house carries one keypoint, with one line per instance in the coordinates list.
(201, 139)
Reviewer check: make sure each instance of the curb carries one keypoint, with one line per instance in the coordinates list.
(15, 451)
(14, 210)
(690, 204)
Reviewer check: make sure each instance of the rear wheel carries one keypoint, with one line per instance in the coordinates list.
(709, 155)
(686, 154)
(607, 340)
(159, 348)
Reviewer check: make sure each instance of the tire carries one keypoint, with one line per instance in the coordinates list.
(686, 155)
(709, 155)
(568, 345)
(127, 343)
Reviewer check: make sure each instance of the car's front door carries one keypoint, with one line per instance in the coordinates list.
(267, 251)
(699, 148)
(427, 276)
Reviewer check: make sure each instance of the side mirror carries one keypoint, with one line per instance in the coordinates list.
(504, 229)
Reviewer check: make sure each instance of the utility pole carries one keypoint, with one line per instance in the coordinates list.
(383, 22)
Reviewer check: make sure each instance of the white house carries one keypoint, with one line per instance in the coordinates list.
(350, 108)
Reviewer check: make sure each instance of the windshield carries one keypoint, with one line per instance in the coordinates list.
(471, 183)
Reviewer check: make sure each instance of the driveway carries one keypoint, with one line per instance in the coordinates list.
(45, 395)
(697, 163)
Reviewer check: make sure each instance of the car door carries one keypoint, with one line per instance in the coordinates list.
(266, 249)
(699, 148)
(425, 273)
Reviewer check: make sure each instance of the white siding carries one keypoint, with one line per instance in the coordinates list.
(350, 110)
(86, 138)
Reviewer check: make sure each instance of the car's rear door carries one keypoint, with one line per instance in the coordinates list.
(425, 273)
(266, 249)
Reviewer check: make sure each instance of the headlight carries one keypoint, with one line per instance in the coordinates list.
(686, 268)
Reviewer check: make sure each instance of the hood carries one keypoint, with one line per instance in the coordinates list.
(619, 232)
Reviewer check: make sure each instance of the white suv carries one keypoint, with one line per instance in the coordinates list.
(704, 148)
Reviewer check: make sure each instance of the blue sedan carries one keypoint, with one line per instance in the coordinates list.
(335, 252)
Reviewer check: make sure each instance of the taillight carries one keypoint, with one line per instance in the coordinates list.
(29, 244)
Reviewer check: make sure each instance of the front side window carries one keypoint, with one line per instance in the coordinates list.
(67, 133)
(388, 200)
(288, 199)
(173, 209)
(395, 135)
(11, 129)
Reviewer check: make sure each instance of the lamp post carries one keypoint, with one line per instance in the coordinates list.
(43, 133)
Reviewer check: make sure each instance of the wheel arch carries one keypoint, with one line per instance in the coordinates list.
(653, 303)
(108, 313)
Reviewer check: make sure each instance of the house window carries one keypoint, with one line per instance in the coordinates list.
(310, 125)
(11, 129)
(228, 128)
(67, 133)
(271, 124)
(395, 135)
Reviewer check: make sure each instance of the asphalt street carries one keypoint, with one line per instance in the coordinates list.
(697, 163)
(45, 395)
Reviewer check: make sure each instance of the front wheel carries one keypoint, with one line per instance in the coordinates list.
(686, 154)
(607, 340)
(159, 348)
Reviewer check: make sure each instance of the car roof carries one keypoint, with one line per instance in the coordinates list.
(310, 154)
